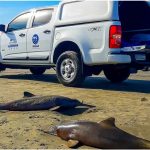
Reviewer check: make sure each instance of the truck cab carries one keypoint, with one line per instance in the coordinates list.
(28, 37)
(78, 43)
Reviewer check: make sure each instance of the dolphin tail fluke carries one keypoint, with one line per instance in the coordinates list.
(87, 105)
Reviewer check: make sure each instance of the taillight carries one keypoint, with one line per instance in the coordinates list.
(115, 34)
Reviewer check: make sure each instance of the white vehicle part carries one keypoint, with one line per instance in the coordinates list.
(133, 48)
(96, 50)
(40, 50)
(116, 59)
(97, 11)
(14, 46)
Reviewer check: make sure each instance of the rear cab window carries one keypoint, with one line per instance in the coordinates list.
(80, 10)
(19, 23)
(42, 17)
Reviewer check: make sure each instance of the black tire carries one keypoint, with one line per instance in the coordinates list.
(73, 61)
(117, 75)
(37, 71)
(2, 68)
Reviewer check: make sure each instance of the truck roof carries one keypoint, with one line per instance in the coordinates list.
(46, 7)
(34, 9)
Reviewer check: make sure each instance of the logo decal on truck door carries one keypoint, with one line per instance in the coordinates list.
(35, 40)
(13, 44)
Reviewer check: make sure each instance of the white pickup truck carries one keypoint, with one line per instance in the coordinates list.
(79, 38)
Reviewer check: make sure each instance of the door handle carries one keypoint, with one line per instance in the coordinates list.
(47, 31)
(21, 35)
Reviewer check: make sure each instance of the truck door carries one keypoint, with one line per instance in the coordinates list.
(39, 36)
(13, 42)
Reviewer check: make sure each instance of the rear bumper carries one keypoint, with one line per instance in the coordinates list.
(130, 58)
(114, 58)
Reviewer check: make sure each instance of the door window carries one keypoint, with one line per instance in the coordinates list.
(19, 23)
(42, 17)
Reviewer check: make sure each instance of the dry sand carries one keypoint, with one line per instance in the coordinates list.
(128, 102)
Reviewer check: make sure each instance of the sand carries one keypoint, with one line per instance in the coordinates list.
(128, 102)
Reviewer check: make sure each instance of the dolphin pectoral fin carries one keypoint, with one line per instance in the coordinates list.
(72, 143)
(110, 121)
(28, 94)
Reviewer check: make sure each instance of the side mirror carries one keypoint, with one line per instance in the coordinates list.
(2, 28)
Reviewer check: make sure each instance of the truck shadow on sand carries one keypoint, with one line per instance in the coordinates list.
(131, 85)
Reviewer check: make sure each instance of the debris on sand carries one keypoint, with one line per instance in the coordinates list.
(3, 120)
(93, 110)
(144, 99)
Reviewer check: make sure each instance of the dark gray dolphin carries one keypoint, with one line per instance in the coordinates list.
(30, 102)
(100, 135)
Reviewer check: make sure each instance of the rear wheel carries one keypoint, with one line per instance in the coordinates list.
(37, 71)
(69, 69)
(117, 75)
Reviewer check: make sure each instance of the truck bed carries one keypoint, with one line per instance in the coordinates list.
(134, 17)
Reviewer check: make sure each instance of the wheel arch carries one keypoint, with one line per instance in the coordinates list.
(66, 46)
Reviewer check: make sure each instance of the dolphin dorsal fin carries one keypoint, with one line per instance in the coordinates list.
(28, 94)
(110, 121)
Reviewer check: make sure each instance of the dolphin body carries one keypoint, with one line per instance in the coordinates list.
(31, 102)
(100, 135)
